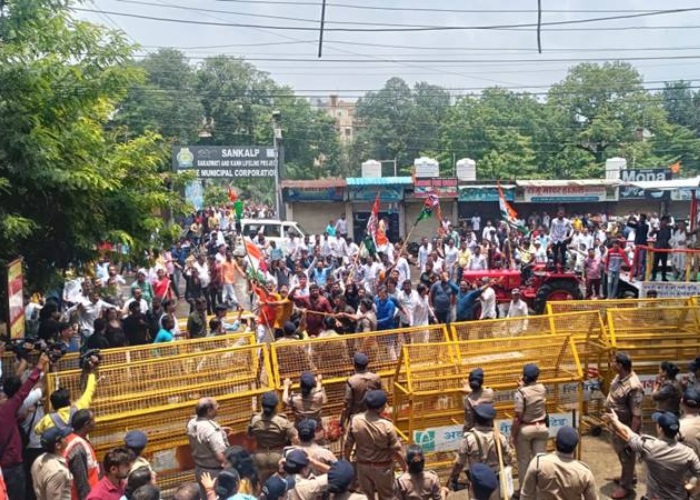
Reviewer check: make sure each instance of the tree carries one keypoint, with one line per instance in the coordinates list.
(682, 105)
(496, 129)
(604, 109)
(166, 102)
(68, 183)
(399, 122)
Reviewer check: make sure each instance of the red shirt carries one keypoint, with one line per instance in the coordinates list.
(106, 490)
(10, 440)
(314, 322)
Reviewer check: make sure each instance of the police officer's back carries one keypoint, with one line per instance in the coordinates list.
(416, 483)
(558, 475)
(272, 432)
(358, 386)
(476, 395)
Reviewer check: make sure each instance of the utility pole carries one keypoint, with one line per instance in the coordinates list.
(279, 150)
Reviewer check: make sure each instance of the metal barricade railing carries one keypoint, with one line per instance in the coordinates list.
(601, 306)
(166, 379)
(499, 328)
(332, 357)
(428, 400)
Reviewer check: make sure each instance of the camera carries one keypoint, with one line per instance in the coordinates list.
(23, 347)
(90, 358)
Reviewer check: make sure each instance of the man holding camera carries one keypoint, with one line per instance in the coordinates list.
(10, 440)
(60, 399)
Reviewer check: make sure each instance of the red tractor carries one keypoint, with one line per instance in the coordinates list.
(542, 286)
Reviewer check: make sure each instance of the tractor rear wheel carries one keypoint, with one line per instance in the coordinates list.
(556, 290)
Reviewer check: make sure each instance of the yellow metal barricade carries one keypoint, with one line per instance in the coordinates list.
(167, 379)
(567, 306)
(332, 357)
(429, 404)
(498, 328)
(124, 355)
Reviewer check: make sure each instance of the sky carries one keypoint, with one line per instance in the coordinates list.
(662, 47)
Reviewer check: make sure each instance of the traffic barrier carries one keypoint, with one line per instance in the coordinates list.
(602, 305)
(166, 379)
(428, 400)
(498, 328)
(126, 355)
(332, 358)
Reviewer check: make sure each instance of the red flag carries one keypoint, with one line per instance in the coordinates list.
(232, 195)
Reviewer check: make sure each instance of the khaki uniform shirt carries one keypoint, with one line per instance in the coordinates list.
(668, 463)
(479, 447)
(358, 385)
(318, 453)
(425, 486)
(308, 489)
(52, 479)
(307, 407)
(531, 403)
(690, 432)
(556, 476)
(140, 462)
(350, 496)
(625, 397)
(271, 433)
(374, 438)
(668, 397)
(206, 439)
(475, 398)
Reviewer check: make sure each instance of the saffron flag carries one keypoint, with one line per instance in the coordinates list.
(232, 196)
(373, 222)
(256, 263)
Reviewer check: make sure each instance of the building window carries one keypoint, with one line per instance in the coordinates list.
(348, 132)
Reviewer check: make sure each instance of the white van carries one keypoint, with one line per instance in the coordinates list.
(274, 230)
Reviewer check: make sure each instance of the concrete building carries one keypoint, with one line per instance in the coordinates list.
(343, 112)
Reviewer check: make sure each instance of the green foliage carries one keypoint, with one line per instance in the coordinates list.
(68, 182)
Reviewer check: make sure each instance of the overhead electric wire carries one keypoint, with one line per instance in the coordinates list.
(399, 28)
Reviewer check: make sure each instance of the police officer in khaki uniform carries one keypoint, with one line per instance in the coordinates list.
(376, 447)
(476, 394)
(558, 475)
(669, 463)
(479, 446)
(625, 398)
(50, 474)
(358, 386)
(310, 401)
(529, 432)
(208, 440)
(272, 432)
(689, 433)
(416, 483)
(307, 433)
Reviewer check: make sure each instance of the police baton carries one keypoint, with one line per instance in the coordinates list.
(501, 466)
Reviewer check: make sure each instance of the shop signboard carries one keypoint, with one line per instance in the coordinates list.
(480, 194)
(643, 175)
(568, 194)
(443, 188)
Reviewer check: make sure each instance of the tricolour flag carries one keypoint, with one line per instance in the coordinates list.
(373, 221)
(431, 204)
(256, 263)
(508, 213)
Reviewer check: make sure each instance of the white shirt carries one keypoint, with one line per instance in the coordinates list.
(89, 313)
(486, 233)
(143, 306)
(540, 255)
(423, 254)
(341, 226)
(476, 223)
(408, 301)
(488, 304)
(421, 311)
(478, 263)
(352, 250)
(203, 270)
(560, 230)
(451, 255)
(403, 269)
(517, 309)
